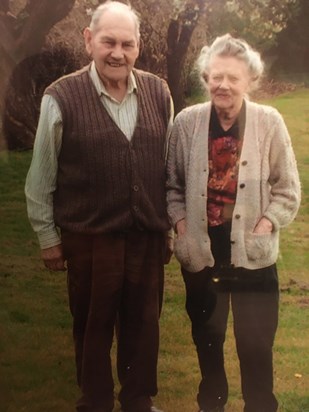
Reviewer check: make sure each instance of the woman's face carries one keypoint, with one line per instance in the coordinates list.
(228, 82)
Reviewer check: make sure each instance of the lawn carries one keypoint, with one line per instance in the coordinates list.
(36, 351)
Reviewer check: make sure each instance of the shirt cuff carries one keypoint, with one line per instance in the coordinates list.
(48, 239)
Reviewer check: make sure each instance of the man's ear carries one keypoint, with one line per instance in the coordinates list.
(140, 46)
(87, 38)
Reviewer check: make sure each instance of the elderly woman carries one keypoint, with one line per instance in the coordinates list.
(232, 184)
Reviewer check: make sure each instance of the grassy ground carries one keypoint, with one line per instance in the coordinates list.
(36, 352)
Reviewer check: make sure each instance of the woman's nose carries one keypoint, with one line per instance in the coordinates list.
(224, 83)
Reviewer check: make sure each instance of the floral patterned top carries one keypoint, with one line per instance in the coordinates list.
(223, 152)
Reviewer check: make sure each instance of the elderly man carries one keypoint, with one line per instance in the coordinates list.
(98, 178)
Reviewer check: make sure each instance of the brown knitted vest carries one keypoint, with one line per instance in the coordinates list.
(106, 183)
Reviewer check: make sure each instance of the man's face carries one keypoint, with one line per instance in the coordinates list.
(113, 46)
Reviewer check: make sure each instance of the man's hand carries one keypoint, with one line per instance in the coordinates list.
(53, 258)
(264, 226)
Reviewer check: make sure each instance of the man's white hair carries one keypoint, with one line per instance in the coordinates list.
(114, 6)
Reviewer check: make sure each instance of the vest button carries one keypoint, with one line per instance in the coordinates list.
(135, 208)
(135, 188)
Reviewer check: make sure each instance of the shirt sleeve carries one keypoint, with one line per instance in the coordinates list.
(42, 175)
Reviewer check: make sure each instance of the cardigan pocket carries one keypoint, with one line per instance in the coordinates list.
(259, 246)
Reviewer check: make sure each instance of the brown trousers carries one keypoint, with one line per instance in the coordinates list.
(115, 278)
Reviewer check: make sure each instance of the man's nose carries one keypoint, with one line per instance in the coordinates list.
(117, 52)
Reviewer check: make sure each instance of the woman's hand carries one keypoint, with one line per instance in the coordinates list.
(181, 227)
(263, 227)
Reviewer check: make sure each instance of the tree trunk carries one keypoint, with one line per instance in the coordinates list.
(179, 35)
(177, 50)
(24, 35)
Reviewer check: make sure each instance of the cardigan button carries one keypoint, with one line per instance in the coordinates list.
(244, 163)
(237, 216)
(242, 185)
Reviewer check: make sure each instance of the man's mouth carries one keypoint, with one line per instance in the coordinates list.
(113, 64)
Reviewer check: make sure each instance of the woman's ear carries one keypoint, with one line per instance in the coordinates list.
(205, 77)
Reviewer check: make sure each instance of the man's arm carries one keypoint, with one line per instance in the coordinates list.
(41, 183)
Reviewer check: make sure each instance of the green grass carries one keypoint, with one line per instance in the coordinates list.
(36, 351)
(294, 260)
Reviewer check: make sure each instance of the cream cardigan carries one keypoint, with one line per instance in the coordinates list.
(268, 185)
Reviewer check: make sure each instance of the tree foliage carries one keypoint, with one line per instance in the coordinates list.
(23, 35)
(167, 30)
(24, 93)
(173, 32)
(292, 50)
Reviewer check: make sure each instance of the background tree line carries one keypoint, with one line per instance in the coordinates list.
(42, 40)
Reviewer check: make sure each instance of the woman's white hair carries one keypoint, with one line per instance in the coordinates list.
(114, 6)
(228, 46)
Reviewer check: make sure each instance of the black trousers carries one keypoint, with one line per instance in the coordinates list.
(116, 279)
(253, 297)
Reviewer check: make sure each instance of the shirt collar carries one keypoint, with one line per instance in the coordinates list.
(237, 128)
(101, 89)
